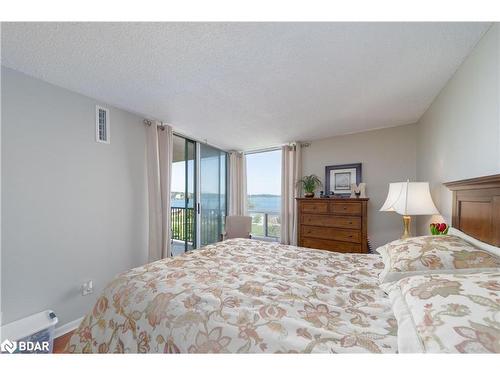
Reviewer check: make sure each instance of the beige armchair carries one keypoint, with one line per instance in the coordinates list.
(237, 227)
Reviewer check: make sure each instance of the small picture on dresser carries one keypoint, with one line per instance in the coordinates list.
(342, 181)
(339, 178)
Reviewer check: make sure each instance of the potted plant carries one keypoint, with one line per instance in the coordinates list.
(309, 184)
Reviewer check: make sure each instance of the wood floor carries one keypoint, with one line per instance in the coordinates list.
(60, 342)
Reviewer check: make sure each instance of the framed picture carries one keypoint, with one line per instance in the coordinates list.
(338, 178)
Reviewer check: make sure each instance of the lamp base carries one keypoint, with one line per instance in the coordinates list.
(406, 227)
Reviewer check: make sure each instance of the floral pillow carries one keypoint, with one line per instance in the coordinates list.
(447, 313)
(430, 254)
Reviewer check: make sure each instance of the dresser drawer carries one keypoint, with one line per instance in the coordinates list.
(331, 233)
(342, 247)
(315, 207)
(346, 208)
(348, 222)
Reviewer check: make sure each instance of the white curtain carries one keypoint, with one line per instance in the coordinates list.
(291, 169)
(237, 183)
(159, 166)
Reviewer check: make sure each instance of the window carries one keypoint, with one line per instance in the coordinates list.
(264, 192)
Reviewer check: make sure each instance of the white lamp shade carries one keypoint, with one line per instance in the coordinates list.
(393, 196)
(410, 198)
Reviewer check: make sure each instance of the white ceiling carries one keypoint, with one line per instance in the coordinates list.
(249, 85)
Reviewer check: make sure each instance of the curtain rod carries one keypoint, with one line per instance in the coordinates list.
(277, 147)
(267, 149)
(179, 134)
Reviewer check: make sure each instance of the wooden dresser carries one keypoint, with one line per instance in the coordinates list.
(333, 224)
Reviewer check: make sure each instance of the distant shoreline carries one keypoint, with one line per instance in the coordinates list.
(250, 195)
(264, 195)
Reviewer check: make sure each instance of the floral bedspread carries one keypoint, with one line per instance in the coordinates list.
(241, 296)
(448, 313)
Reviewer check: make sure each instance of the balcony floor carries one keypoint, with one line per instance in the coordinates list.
(177, 247)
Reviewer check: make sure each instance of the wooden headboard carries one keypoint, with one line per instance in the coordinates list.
(476, 207)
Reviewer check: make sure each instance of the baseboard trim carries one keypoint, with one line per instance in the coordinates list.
(68, 327)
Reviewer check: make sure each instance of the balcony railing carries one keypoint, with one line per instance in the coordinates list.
(183, 224)
(265, 223)
(211, 226)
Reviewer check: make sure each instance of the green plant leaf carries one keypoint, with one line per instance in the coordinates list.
(310, 183)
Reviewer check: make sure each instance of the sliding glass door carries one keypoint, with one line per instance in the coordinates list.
(198, 195)
(212, 194)
(183, 196)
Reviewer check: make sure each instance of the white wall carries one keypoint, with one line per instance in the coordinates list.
(459, 135)
(72, 209)
(387, 155)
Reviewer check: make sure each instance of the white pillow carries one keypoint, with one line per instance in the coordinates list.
(380, 249)
(479, 244)
(433, 254)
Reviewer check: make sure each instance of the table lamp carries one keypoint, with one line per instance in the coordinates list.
(407, 199)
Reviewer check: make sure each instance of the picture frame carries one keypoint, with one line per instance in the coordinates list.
(338, 178)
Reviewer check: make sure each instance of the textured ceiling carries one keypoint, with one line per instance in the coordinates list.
(249, 85)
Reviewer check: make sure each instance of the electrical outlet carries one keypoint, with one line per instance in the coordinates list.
(87, 288)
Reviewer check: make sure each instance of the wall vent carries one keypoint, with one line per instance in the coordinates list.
(102, 133)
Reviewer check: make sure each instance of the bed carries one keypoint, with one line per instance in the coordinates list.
(243, 296)
(248, 296)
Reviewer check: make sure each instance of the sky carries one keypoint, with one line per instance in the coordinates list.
(209, 175)
(178, 173)
(263, 174)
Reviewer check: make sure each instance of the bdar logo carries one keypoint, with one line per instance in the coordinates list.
(8, 346)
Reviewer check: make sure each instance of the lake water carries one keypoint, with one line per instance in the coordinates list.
(259, 203)
(179, 203)
(264, 203)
